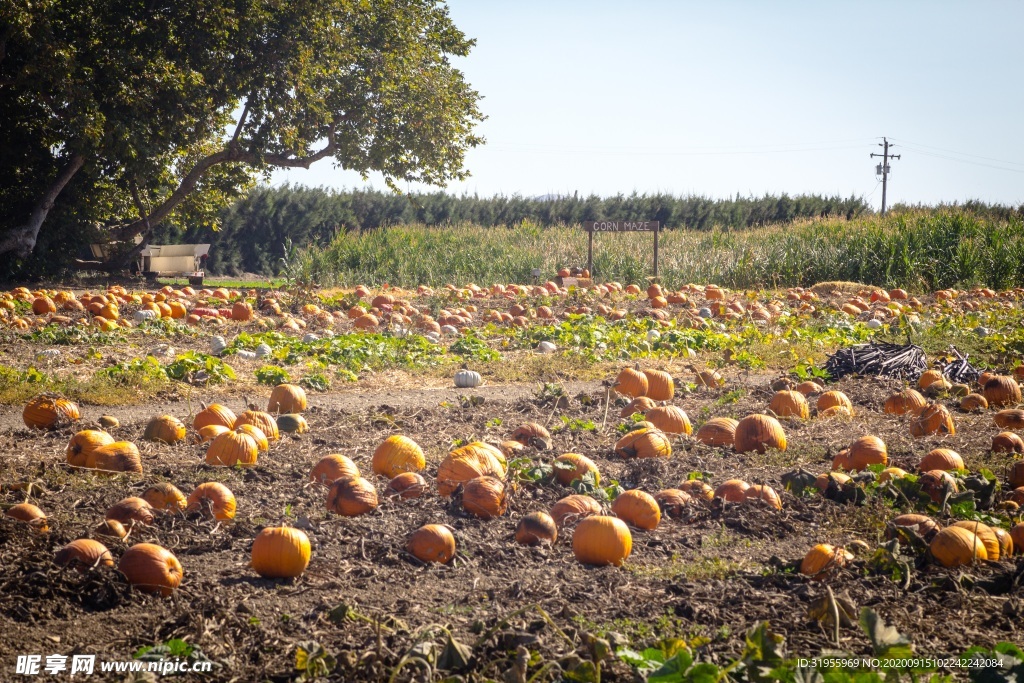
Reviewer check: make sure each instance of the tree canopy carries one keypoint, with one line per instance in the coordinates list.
(120, 115)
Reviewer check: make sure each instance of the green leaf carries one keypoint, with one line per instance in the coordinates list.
(886, 641)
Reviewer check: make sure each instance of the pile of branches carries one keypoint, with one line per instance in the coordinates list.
(904, 362)
(960, 370)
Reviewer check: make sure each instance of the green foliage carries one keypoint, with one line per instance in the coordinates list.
(316, 381)
(138, 372)
(272, 375)
(194, 366)
(470, 346)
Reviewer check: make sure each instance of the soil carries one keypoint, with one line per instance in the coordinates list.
(711, 576)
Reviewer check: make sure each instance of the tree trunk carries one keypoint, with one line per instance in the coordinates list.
(21, 240)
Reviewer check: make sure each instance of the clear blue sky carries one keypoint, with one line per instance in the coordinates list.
(720, 97)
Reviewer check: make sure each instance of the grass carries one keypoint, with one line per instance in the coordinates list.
(922, 250)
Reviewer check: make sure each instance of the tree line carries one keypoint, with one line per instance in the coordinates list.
(255, 231)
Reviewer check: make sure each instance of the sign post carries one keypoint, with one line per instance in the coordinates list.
(620, 226)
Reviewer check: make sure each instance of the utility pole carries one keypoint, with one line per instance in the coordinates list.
(883, 168)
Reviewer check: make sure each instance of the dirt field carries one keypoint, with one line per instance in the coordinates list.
(706, 579)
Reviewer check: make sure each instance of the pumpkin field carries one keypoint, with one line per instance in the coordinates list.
(510, 482)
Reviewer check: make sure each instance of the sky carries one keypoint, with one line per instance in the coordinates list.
(725, 97)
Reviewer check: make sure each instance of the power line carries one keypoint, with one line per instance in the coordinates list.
(963, 161)
(883, 168)
(905, 143)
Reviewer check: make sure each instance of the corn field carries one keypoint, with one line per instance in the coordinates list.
(923, 250)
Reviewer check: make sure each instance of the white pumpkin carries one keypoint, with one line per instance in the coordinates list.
(467, 379)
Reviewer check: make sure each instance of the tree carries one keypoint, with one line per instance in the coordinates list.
(123, 114)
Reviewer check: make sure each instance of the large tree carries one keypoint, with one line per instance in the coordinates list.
(117, 115)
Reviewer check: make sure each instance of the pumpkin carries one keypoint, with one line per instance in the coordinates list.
(1016, 475)
(699, 490)
(232, 448)
(670, 419)
(941, 459)
(165, 428)
(759, 433)
(644, 443)
(924, 526)
(511, 449)
(841, 412)
(718, 431)
(131, 510)
(214, 414)
(986, 534)
(788, 403)
(631, 382)
(1010, 418)
(536, 528)
(467, 379)
(265, 422)
(287, 398)
(1001, 391)
(601, 540)
(640, 404)
(84, 554)
(1017, 535)
(533, 434)
(955, 546)
(473, 460)
(406, 486)
(929, 377)
(866, 451)
(112, 528)
(571, 466)
(280, 552)
(120, 456)
(49, 411)
(1005, 542)
(890, 473)
(973, 403)
(672, 502)
(29, 513)
(832, 399)
(151, 568)
(1016, 496)
(709, 379)
(330, 468)
(1007, 442)
(165, 496)
(351, 497)
(262, 443)
(822, 560)
(660, 385)
(763, 493)
(432, 543)
(108, 422)
(842, 460)
(732, 490)
(485, 497)
(809, 388)
(573, 508)
(904, 402)
(932, 419)
(84, 443)
(637, 508)
(292, 423)
(211, 432)
(822, 481)
(398, 454)
(212, 499)
(935, 484)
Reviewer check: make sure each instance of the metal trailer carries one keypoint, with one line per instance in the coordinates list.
(174, 260)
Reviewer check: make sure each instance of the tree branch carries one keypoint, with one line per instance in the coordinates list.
(241, 123)
(21, 240)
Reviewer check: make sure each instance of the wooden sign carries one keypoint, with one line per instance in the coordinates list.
(621, 226)
(590, 227)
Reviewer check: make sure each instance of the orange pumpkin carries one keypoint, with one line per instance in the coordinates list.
(644, 443)
(112, 528)
(232, 448)
(120, 456)
(265, 422)
(30, 514)
(571, 466)
(536, 528)
(787, 403)
(533, 434)
(941, 459)
(330, 468)
(929, 377)
(485, 497)
(165, 428)
(973, 403)
(83, 443)
(866, 451)
(932, 419)
(822, 560)
(637, 508)
(151, 568)
(935, 483)
(809, 388)
(165, 496)
(764, 494)
(280, 552)
(262, 443)
(406, 486)
(670, 419)
(131, 510)
(904, 402)
(831, 399)
(732, 490)
(640, 404)
(1007, 442)
(84, 554)
(601, 540)
(212, 499)
(660, 385)
(473, 460)
(1001, 391)
(718, 431)
(673, 502)
(398, 454)
(287, 398)
(432, 543)
(955, 546)
(759, 433)
(49, 411)
(214, 414)
(210, 432)
(1009, 418)
(351, 497)
(987, 535)
(698, 490)
(631, 382)
(924, 526)
(571, 509)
